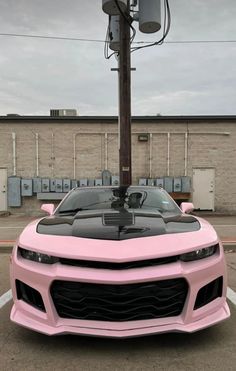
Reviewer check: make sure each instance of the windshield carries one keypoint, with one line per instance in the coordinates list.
(117, 199)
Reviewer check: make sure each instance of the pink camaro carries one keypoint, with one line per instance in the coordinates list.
(118, 262)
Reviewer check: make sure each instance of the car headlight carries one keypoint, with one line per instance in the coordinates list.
(199, 254)
(37, 257)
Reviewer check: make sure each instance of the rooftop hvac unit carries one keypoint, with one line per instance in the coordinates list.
(149, 16)
(63, 112)
(110, 7)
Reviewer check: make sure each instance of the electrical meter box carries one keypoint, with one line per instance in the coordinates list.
(168, 183)
(160, 182)
(142, 182)
(98, 182)
(13, 191)
(45, 185)
(26, 187)
(115, 180)
(52, 185)
(66, 185)
(59, 185)
(150, 182)
(37, 185)
(177, 185)
(74, 183)
(91, 182)
(186, 184)
(83, 182)
(106, 178)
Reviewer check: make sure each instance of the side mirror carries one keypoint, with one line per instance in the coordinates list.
(186, 207)
(48, 208)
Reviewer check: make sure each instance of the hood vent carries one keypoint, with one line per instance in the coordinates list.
(118, 219)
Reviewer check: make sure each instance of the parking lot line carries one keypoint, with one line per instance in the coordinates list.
(5, 298)
(231, 295)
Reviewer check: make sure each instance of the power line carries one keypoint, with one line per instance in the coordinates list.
(64, 38)
(52, 37)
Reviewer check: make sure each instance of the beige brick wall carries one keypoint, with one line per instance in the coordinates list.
(206, 148)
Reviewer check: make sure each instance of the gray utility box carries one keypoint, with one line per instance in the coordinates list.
(177, 185)
(160, 182)
(74, 183)
(142, 182)
(186, 184)
(59, 185)
(151, 182)
(26, 187)
(83, 182)
(52, 185)
(66, 185)
(115, 180)
(98, 182)
(168, 183)
(106, 178)
(37, 185)
(45, 185)
(13, 191)
(91, 182)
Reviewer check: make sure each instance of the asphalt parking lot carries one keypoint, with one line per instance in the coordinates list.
(210, 349)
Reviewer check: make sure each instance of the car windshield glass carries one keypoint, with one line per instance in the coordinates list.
(118, 198)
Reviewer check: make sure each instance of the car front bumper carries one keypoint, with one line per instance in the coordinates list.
(41, 276)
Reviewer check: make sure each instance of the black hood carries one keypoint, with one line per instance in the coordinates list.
(117, 225)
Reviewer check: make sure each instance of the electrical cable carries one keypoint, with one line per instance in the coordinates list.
(61, 38)
(128, 19)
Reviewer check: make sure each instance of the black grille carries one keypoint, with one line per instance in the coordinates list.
(119, 303)
(117, 266)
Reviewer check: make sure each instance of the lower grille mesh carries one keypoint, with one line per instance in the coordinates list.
(119, 303)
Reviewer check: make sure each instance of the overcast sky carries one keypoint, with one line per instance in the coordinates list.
(173, 79)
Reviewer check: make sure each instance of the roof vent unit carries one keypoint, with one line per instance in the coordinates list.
(63, 112)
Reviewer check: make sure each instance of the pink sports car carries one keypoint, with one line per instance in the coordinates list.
(118, 262)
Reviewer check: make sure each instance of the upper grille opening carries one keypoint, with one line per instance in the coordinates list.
(118, 266)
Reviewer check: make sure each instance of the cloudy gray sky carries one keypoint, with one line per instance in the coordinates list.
(173, 79)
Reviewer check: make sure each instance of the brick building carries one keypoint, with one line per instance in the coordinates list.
(81, 147)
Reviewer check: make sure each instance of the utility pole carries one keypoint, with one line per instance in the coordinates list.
(125, 101)
(118, 37)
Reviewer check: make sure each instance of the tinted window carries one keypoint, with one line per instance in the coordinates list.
(116, 198)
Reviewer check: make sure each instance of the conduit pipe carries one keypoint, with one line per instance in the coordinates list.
(150, 156)
(37, 153)
(106, 151)
(14, 152)
(168, 154)
(186, 154)
(52, 154)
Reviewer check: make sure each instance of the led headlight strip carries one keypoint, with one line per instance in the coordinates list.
(37, 257)
(199, 254)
